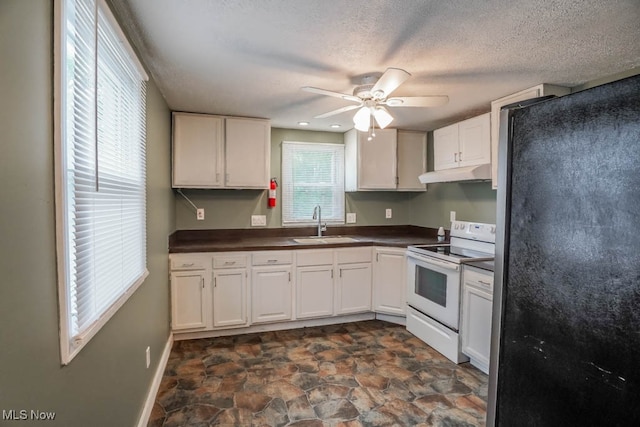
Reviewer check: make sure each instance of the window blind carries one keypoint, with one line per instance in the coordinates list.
(312, 174)
(103, 170)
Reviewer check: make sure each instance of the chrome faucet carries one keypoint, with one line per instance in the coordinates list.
(317, 214)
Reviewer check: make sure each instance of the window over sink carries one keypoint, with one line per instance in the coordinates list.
(312, 174)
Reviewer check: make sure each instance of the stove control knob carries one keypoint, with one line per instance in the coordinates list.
(493, 230)
(461, 226)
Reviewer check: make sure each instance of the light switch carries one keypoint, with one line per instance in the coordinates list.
(388, 214)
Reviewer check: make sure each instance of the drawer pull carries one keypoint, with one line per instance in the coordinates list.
(271, 261)
(188, 264)
(229, 262)
(482, 282)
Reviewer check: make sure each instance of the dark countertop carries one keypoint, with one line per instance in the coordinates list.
(265, 239)
(485, 265)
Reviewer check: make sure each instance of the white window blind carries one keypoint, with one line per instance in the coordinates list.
(312, 174)
(101, 171)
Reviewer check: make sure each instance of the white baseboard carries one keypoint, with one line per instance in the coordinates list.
(268, 327)
(392, 318)
(155, 384)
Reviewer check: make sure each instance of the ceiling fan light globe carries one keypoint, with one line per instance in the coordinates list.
(394, 102)
(362, 119)
(382, 116)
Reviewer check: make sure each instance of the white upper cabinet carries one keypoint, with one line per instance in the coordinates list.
(533, 92)
(370, 165)
(412, 160)
(220, 152)
(466, 143)
(248, 153)
(392, 160)
(198, 143)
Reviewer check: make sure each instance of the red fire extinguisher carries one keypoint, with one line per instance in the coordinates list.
(272, 193)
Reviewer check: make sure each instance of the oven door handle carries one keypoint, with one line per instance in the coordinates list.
(443, 264)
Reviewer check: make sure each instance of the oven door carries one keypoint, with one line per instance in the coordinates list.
(433, 287)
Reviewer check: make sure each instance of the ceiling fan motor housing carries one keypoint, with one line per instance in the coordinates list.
(363, 91)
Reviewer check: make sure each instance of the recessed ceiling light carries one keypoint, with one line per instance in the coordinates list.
(303, 123)
(335, 126)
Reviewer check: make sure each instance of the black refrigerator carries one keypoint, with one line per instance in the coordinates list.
(565, 345)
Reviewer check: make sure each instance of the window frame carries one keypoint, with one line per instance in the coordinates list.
(286, 191)
(70, 345)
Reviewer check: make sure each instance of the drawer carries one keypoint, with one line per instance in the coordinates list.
(479, 278)
(229, 261)
(187, 262)
(272, 258)
(354, 255)
(309, 257)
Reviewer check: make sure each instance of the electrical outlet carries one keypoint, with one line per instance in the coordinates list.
(200, 214)
(351, 218)
(452, 215)
(258, 220)
(388, 213)
(148, 355)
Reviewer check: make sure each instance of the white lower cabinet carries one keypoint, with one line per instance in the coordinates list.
(353, 284)
(230, 298)
(314, 283)
(477, 306)
(271, 294)
(389, 287)
(237, 289)
(188, 300)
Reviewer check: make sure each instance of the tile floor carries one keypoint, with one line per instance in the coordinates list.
(370, 373)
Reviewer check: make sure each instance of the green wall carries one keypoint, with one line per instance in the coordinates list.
(233, 208)
(107, 383)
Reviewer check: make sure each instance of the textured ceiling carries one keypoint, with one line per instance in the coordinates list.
(250, 57)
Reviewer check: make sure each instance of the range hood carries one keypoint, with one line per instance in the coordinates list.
(467, 173)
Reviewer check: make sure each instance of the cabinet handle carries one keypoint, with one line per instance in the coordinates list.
(484, 283)
(203, 283)
(377, 260)
(289, 276)
(460, 155)
(229, 262)
(332, 273)
(215, 282)
(187, 264)
(455, 157)
(271, 261)
(340, 272)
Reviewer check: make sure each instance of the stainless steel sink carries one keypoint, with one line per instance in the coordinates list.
(314, 240)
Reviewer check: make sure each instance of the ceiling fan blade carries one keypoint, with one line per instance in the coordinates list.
(389, 81)
(338, 111)
(331, 93)
(417, 101)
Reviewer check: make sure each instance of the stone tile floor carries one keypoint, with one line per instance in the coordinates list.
(370, 373)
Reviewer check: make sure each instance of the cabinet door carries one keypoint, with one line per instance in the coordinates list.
(476, 326)
(187, 300)
(474, 141)
(412, 160)
(271, 294)
(314, 291)
(445, 147)
(377, 160)
(247, 153)
(389, 282)
(353, 288)
(197, 151)
(230, 298)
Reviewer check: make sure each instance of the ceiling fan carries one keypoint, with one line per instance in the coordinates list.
(372, 96)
